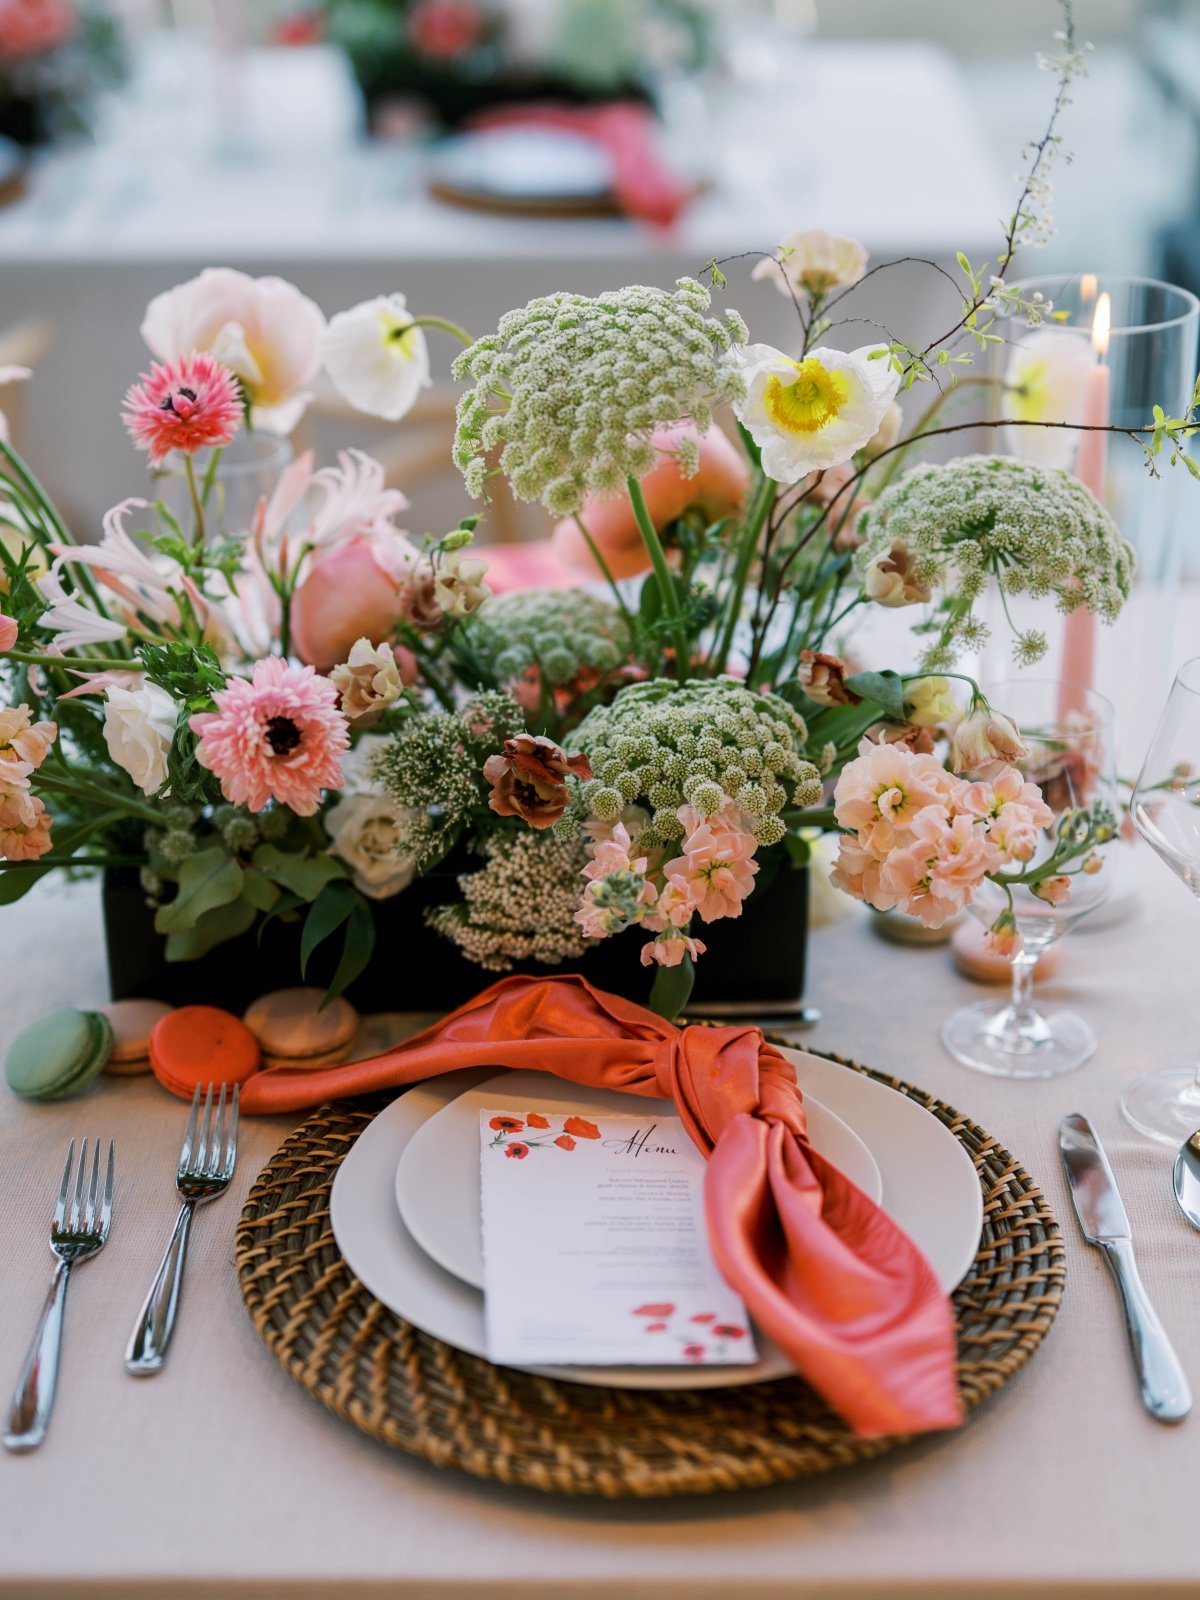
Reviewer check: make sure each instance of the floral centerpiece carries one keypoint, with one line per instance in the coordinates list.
(299, 719)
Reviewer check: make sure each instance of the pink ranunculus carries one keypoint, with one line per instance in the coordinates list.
(9, 633)
(277, 736)
(263, 329)
(716, 490)
(34, 27)
(347, 594)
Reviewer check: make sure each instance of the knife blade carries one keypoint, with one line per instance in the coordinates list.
(1104, 1223)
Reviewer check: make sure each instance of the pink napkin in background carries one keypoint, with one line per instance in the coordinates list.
(643, 186)
(828, 1274)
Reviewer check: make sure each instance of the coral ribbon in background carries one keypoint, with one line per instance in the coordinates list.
(821, 1268)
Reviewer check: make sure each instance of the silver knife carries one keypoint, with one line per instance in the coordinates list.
(1102, 1217)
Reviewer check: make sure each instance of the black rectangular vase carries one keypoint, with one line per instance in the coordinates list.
(757, 958)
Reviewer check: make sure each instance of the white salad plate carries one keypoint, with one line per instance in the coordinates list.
(930, 1188)
(437, 1177)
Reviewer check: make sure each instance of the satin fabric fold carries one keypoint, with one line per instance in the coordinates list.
(842, 1289)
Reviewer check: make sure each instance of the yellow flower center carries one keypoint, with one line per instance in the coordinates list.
(399, 335)
(1031, 391)
(811, 402)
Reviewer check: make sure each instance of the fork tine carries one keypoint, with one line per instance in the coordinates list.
(61, 1207)
(106, 1208)
(189, 1133)
(91, 1216)
(231, 1141)
(201, 1152)
(77, 1198)
(216, 1154)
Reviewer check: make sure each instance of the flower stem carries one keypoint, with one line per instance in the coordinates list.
(443, 325)
(741, 572)
(83, 663)
(662, 574)
(197, 504)
(605, 569)
(93, 792)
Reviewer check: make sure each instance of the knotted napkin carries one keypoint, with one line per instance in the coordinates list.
(820, 1267)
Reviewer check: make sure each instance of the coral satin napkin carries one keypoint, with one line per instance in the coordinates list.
(821, 1268)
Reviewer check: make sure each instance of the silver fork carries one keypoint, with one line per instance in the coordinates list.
(205, 1170)
(76, 1233)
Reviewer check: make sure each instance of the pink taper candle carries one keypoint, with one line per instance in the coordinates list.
(1091, 468)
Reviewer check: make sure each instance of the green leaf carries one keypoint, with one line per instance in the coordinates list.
(672, 989)
(304, 875)
(325, 916)
(285, 908)
(17, 880)
(884, 689)
(213, 928)
(650, 601)
(749, 446)
(208, 879)
(799, 850)
(258, 890)
(356, 951)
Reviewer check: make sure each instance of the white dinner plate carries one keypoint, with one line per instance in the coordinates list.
(437, 1177)
(929, 1187)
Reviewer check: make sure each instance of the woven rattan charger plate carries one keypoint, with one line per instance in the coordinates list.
(417, 1394)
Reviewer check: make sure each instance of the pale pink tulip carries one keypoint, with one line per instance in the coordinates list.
(346, 595)
(716, 489)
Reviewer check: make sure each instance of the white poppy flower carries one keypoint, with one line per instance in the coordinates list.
(263, 329)
(812, 414)
(375, 358)
(139, 725)
(1045, 382)
(814, 262)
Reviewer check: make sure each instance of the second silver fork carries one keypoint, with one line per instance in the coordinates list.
(206, 1163)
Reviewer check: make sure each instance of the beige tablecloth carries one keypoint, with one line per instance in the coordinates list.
(220, 1477)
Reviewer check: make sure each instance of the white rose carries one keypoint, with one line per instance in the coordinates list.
(366, 831)
(139, 725)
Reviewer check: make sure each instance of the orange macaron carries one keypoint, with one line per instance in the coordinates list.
(202, 1044)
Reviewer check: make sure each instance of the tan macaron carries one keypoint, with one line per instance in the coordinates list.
(380, 1031)
(132, 1022)
(974, 960)
(294, 1031)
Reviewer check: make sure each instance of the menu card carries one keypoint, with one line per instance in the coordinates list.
(595, 1247)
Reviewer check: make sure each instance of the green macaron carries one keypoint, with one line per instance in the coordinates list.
(58, 1055)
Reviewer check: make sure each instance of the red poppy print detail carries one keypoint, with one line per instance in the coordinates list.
(506, 1124)
(581, 1128)
(535, 1119)
(565, 1142)
(516, 1152)
(704, 1316)
(694, 1352)
(656, 1327)
(727, 1330)
(655, 1309)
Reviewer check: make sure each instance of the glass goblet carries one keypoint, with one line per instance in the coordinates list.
(1068, 735)
(1166, 812)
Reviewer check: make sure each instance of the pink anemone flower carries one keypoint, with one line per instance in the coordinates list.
(186, 405)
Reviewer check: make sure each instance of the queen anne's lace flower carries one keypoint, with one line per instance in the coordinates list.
(520, 905)
(561, 634)
(1035, 529)
(701, 744)
(571, 389)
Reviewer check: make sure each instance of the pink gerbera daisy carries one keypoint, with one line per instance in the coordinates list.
(185, 405)
(277, 736)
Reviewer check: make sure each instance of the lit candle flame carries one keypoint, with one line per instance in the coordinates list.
(1088, 284)
(1101, 324)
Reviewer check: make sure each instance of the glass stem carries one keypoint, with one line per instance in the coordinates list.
(1022, 988)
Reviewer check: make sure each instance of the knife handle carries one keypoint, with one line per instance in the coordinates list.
(1165, 1392)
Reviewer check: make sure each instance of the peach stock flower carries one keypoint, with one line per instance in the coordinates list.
(716, 490)
(23, 742)
(717, 867)
(277, 736)
(24, 827)
(529, 779)
(670, 949)
(188, 404)
(880, 793)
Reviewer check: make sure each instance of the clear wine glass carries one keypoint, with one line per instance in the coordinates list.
(1068, 734)
(1166, 811)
